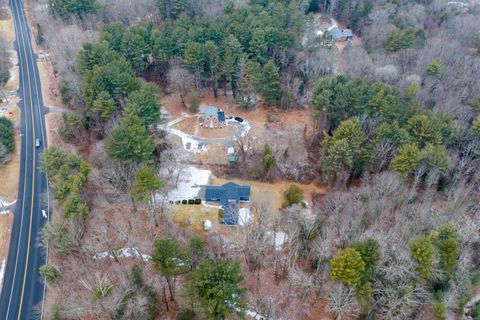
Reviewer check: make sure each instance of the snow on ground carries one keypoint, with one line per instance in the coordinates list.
(278, 239)
(254, 314)
(5, 205)
(190, 182)
(244, 217)
(2, 271)
(123, 253)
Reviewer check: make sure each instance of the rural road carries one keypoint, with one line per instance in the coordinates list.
(23, 289)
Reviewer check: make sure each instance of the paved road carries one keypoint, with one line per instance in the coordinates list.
(23, 289)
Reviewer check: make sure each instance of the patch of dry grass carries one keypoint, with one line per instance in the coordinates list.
(6, 227)
(192, 217)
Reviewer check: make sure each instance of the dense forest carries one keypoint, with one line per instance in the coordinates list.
(396, 139)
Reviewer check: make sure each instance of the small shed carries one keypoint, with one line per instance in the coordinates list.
(207, 225)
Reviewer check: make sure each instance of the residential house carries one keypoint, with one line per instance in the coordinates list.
(229, 196)
(340, 34)
(212, 117)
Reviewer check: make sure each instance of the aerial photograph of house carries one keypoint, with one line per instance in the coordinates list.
(340, 34)
(212, 117)
(229, 196)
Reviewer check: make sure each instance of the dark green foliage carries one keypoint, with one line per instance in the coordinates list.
(271, 84)
(370, 252)
(400, 40)
(423, 252)
(68, 176)
(4, 75)
(130, 142)
(65, 94)
(186, 314)
(145, 184)
(439, 311)
(144, 104)
(344, 150)
(65, 9)
(191, 201)
(92, 55)
(50, 272)
(269, 160)
(475, 312)
(293, 195)
(347, 267)
(169, 258)
(338, 98)
(171, 9)
(435, 68)
(7, 134)
(107, 82)
(215, 287)
(40, 38)
(196, 250)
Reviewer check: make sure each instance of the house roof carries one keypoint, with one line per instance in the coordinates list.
(228, 191)
(336, 33)
(211, 112)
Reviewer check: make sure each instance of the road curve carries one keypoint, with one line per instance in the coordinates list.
(23, 289)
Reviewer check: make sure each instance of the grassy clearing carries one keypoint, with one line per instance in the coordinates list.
(6, 27)
(5, 226)
(192, 217)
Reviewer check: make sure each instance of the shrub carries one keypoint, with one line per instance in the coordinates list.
(7, 134)
(191, 201)
(293, 195)
(186, 314)
(348, 267)
(184, 201)
(220, 215)
(439, 311)
(198, 201)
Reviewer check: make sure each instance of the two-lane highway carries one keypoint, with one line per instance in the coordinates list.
(23, 289)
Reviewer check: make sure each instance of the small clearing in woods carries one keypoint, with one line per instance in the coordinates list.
(258, 118)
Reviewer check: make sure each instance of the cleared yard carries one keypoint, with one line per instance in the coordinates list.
(192, 217)
(274, 191)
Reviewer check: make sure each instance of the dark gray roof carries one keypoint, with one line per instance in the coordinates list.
(336, 33)
(211, 112)
(231, 189)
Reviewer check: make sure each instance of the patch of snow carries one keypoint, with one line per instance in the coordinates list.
(123, 253)
(2, 271)
(277, 239)
(244, 217)
(254, 314)
(191, 181)
(212, 206)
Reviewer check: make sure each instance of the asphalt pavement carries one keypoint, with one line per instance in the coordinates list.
(23, 289)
